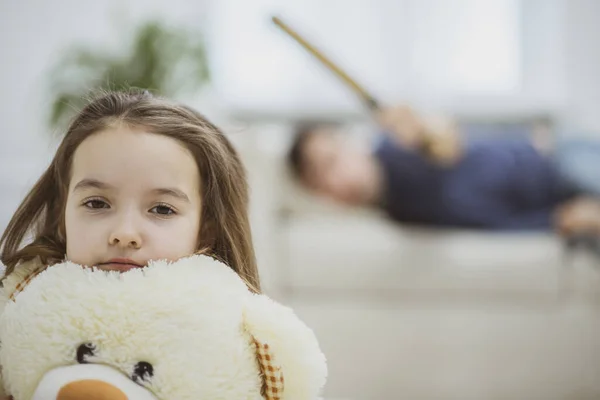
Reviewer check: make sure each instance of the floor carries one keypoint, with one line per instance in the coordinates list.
(386, 350)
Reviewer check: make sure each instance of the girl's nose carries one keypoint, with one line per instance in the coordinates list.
(126, 235)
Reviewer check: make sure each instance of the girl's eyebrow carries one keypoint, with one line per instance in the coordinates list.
(89, 183)
(173, 192)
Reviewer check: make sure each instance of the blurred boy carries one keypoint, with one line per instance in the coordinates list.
(426, 172)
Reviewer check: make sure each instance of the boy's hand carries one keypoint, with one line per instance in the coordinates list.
(404, 124)
(444, 141)
(579, 216)
(437, 138)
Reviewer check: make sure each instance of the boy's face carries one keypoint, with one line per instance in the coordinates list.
(133, 197)
(335, 168)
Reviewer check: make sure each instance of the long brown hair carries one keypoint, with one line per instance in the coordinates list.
(225, 229)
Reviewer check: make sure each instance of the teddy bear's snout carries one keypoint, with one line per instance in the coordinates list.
(89, 382)
(90, 389)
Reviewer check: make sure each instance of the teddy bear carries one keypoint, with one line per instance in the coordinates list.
(182, 330)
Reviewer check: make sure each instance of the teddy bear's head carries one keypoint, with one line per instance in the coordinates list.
(183, 330)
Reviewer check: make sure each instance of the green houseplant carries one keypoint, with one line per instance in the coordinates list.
(162, 59)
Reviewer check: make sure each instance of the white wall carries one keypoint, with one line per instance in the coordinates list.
(582, 58)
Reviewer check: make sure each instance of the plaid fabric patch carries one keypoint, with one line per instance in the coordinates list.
(23, 284)
(272, 388)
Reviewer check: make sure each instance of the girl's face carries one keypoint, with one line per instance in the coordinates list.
(133, 197)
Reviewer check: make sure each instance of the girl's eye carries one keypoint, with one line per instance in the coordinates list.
(162, 209)
(96, 204)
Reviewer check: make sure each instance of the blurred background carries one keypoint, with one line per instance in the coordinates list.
(401, 312)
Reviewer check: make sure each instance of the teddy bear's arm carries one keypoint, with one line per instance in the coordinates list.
(293, 345)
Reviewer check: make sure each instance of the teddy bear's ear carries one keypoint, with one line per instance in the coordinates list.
(292, 364)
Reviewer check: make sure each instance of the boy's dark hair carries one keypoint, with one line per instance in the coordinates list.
(303, 132)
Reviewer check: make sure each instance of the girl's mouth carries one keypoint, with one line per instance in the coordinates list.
(119, 264)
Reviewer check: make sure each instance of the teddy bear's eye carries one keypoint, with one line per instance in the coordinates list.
(84, 351)
(142, 371)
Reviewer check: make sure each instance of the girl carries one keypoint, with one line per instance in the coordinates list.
(136, 178)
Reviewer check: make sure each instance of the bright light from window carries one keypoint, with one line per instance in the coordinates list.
(430, 46)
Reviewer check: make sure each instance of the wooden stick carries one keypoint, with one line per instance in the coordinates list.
(365, 96)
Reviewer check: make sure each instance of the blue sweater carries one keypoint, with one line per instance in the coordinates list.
(500, 184)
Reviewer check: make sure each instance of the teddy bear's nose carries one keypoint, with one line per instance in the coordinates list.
(90, 389)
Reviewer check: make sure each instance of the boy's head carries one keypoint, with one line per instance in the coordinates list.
(328, 164)
(136, 178)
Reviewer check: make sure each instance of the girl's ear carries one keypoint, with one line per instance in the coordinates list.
(291, 361)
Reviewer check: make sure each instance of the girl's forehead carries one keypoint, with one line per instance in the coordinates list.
(133, 139)
(125, 156)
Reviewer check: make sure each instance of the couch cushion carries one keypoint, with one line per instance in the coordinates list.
(364, 254)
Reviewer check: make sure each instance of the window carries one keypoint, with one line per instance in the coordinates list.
(398, 49)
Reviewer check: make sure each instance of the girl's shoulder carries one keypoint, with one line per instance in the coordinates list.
(13, 283)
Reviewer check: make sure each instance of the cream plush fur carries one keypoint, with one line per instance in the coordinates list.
(193, 321)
